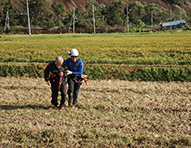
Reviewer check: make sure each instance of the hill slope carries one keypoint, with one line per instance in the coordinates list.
(69, 4)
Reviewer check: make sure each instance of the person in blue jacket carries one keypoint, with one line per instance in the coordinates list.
(75, 69)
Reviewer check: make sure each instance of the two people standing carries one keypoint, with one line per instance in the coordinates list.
(56, 74)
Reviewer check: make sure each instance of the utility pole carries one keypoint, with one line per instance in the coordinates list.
(170, 20)
(151, 20)
(28, 18)
(106, 25)
(7, 25)
(93, 16)
(127, 9)
(181, 14)
(74, 20)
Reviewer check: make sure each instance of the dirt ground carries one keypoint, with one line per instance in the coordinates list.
(110, 113)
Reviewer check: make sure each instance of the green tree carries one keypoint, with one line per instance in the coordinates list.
(188, 19)
(58, 14)
(136, 13)
(179, 2)
(98, 11)
(41, 13)
(82, 21)
(114, 13)
(178, 12)
(160, 14)
(58, 9)
(6, 5)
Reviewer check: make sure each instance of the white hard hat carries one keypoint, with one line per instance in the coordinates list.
(74, 52)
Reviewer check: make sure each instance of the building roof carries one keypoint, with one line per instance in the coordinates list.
(173, 23)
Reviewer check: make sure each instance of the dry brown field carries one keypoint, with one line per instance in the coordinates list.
(110, 113)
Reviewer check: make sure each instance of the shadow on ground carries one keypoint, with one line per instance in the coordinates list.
(14, 107)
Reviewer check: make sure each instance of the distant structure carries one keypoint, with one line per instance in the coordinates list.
(7, 25)
(175, 24)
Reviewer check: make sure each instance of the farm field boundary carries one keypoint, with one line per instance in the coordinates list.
(107, 71)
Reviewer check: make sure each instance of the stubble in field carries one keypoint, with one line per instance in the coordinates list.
(110, 113)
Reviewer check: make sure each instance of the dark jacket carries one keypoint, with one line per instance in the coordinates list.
(52, 72)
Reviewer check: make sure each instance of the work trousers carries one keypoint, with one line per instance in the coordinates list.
(54, 88)
(73, 90)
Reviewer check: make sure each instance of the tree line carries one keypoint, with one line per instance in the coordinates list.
(45, 13)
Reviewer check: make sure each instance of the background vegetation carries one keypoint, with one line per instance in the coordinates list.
(44, 13)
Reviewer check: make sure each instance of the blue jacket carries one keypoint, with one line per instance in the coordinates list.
(76, 67)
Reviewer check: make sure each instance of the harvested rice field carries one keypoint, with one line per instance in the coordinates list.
(110, 113)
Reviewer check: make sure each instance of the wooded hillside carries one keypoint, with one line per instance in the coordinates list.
(50, 13)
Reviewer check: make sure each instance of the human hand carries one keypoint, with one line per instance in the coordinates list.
(61, 74)
(69, 72)
(48, 82)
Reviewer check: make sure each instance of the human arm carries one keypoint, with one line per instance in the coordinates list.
(47, 71)
(46, 74)
(80, 69)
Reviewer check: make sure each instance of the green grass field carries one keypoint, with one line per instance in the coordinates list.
(133, 49)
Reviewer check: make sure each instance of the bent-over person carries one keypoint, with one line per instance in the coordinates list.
(54, 75)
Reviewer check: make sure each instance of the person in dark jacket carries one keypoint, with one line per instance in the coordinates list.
(54, 75)
(75, 69)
